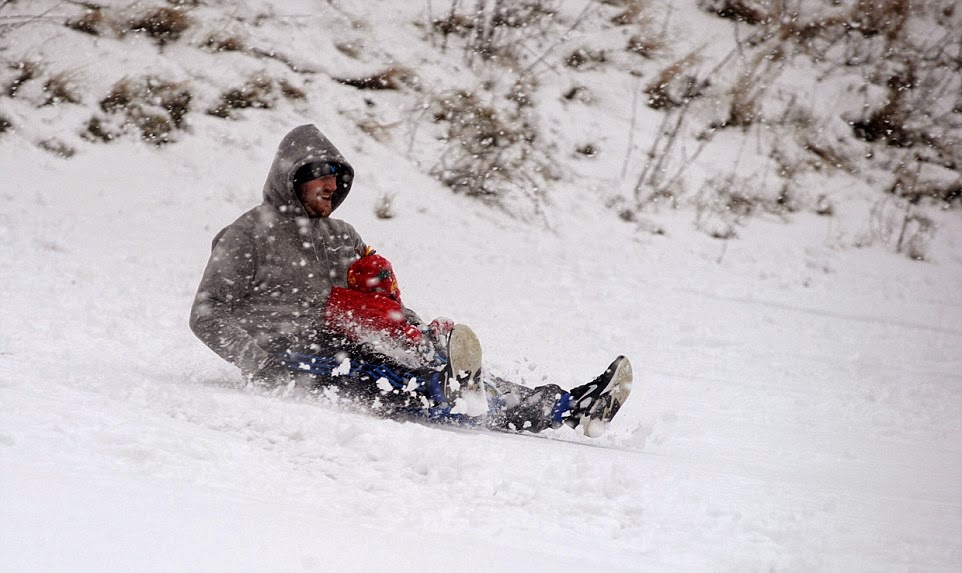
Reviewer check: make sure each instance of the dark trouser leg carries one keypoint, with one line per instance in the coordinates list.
(372, 380)
(390, 389)
(520, 408)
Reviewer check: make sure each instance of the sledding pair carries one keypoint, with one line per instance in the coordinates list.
(272, 270)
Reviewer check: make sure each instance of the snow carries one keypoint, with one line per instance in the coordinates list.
(796, 404)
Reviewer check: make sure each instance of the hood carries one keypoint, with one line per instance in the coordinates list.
(373, 274)
(304, 144)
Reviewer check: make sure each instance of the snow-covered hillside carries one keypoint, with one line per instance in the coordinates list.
(797, 400)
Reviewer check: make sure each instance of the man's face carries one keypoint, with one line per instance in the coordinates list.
(316, 195)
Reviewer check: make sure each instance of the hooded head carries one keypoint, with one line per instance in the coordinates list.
(304, 145)
(373, 274)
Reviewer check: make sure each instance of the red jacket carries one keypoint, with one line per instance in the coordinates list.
(371, 304)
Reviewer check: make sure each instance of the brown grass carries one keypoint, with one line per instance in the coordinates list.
(256, 93)
(59, 89)
(644, 47)
(583, 58)
(225, 44)
(392, 78)
(57, 147)
(154, 107)
(738, 10)
(661, 94)
(291, 91)
(90, 22)
(27, 71)
(162, 24)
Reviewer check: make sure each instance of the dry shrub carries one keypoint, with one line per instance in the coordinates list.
(631, 13)
(583, 58)
(588, 150)
(916, 234)
(154, 108)
(95, 130)
(900, 225)
(384, 206)
(5, 124)
(879, 17)
(724, 203)
(746, 11)
(26, 71)
(59, 89)
(57, 147)
(750, 85)
(490, 153)
(889, 122)
(453, 24)
(162, 24)
(392, 78)
(494, 30)
(520, 92)
(478, 135)
(219, 43)
(644, 47)
(90, 22)
(886, 124)
(291, 91)
(579, 94)
(916, 190)
(673, 86)
(257, 93)
(349, 49)
(824, 206)
(826, 155)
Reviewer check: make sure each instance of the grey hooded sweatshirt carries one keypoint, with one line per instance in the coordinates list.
(271, 271)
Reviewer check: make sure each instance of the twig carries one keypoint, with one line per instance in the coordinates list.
(631, 128)
(652, 153)
(562, 38)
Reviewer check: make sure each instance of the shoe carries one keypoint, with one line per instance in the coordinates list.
(593, 405)
(463, 385)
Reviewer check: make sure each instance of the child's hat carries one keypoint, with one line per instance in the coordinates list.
(373, 273)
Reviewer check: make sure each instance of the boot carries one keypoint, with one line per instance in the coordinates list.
(594, 404)
(463, 386)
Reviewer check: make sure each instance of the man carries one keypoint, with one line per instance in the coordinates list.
(260, 306)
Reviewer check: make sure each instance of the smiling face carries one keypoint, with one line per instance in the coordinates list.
(316, 195)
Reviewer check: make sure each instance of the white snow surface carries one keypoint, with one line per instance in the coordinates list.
(797, 403)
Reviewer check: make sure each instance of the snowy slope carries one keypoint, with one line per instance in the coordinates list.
(797, 405)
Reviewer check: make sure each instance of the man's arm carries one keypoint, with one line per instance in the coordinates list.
(227, 280)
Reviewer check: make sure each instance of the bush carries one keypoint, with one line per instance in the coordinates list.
(496, 30)
(738, 10)
(57, 147)
(583, 58)
(675, 84)
(162, 24)
(90, 22)
(59, 89)
(901, 226)
(390, 79)
(26, 71)
(153, 107)
(724, 203)
(256, 93)
(491, 154)
(225, 44)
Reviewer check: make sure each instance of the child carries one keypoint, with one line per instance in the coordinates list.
(370, 311)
